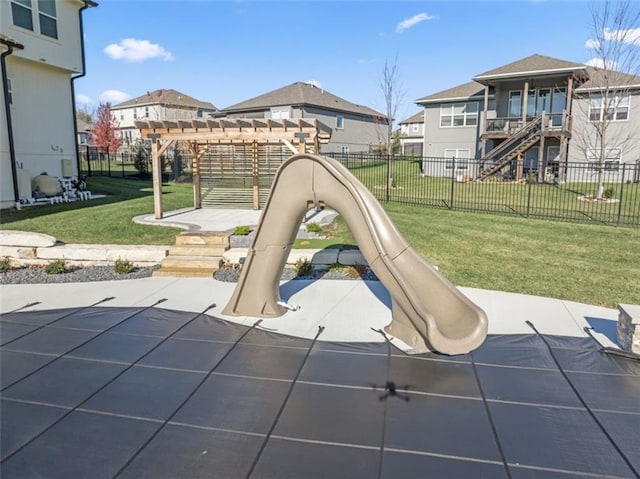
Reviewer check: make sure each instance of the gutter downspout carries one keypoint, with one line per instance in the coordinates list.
(87, 4)
(10, 44)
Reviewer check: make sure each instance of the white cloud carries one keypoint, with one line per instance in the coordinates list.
(114, 96)
(600, 63)
(592, 44)
(82, 99)
(412, 21)
(134, 50)
(314, 83)
(626, 36)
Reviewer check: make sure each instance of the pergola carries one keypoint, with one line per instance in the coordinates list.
(300, 135)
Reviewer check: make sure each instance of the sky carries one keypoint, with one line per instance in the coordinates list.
(226, 52)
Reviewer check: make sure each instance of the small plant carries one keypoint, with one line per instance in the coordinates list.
(313, 227)
(336, 268)
(303, 267)
(5, 264)
(356, 271)
(58, 266)
(609, 192)
(123, 266)
(243, 230)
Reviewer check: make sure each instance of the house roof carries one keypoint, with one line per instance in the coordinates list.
(301, 93)
(461, 92)
(165, 97)
(416, 118)
(532, 65)
(83, 125)
(599, 77)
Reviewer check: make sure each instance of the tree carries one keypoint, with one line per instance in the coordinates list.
(613, 73)
(393, 96)
(104, 129)
(85, 114)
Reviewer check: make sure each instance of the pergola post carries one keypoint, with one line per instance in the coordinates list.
(255, 172)
(157, 176)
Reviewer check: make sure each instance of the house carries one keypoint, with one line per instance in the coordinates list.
(158, 105)
(355, 128)
(41, 55)
(412, 135)
(534, 115)
(84, 132)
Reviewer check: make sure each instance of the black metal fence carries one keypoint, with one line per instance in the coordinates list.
(176, 165)
(566, 193)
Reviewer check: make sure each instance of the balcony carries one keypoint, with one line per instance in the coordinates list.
(553, 124)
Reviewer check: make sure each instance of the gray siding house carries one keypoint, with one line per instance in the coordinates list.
(532, 117)
(354, 128)
(412, 135)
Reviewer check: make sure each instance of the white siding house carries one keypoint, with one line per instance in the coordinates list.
(41, 52)
(158, 105)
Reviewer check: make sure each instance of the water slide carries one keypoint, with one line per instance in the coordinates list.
(428, 312)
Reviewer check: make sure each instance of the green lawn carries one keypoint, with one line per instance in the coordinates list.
(586, 263)
(106, 220)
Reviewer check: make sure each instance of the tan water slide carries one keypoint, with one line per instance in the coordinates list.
(429, 313)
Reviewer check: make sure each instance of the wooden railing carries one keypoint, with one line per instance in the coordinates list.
(550, 121)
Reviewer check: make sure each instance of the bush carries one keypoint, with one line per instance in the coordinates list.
(243, 230)
(5, 264)
(313, 227)
(141, 160)
(58, 266)
(123, 266)
(609, 192)
(303, 267)
(357, 270)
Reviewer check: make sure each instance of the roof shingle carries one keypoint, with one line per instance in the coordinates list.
(165, 97)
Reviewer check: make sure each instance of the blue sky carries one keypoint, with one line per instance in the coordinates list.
(226, 52)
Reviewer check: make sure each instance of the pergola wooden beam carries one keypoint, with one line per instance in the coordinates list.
(303, 132)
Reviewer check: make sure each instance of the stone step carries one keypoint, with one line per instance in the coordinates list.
(196, 250)
(211, 238)
(191, 262)
(185, 272)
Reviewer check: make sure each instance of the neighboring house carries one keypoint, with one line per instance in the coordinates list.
(527, 117)
(355, 128)
(158, 105)
(41, 54)
(84, 132)
(412, 135)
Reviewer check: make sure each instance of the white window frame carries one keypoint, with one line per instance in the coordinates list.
(415, 128)
(280, 113)
(345, 149)
(146, 112)
(448, 110)
(36, 13)
(461, 155)
(619, 105)
(339, 122)
(612, 159)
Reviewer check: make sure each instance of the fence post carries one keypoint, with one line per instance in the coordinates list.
(453, 182)
(388, 180)
(624, 169)
(529, 185)
(122, 163)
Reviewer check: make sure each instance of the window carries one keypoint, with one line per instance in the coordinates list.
(121, 117)
(515, 104)
(339, 122)
(23, 14)
(611, 107)
(459, 114)
(345, 150)
(200, 113)
(280, 113)
(47, 18)
(612, 157)
(146, 112)
(135, 114)
(415, 127)
(459, 155)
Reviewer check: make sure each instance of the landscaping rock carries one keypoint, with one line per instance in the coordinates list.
(25, 239)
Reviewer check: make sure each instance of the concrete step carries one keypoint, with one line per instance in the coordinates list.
(191, 262)
(196, 250)
(211, 238)
(184, 272)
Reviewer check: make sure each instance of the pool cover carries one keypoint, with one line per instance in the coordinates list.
(156, 393)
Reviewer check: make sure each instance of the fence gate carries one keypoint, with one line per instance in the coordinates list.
(239, 176)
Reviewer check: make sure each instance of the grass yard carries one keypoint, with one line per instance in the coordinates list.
(586, 263)
(106, 220)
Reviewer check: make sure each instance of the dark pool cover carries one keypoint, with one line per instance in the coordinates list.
(154, 393)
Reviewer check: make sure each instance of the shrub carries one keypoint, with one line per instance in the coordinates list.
(5, 264)
(140, 160)
(243, 230)
(303, 267)
(123, 266)
(313, 227)
(609, 192)
(357, 270)
(58, 266)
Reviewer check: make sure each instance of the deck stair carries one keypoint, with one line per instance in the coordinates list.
(195, 254)
(516, 144)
